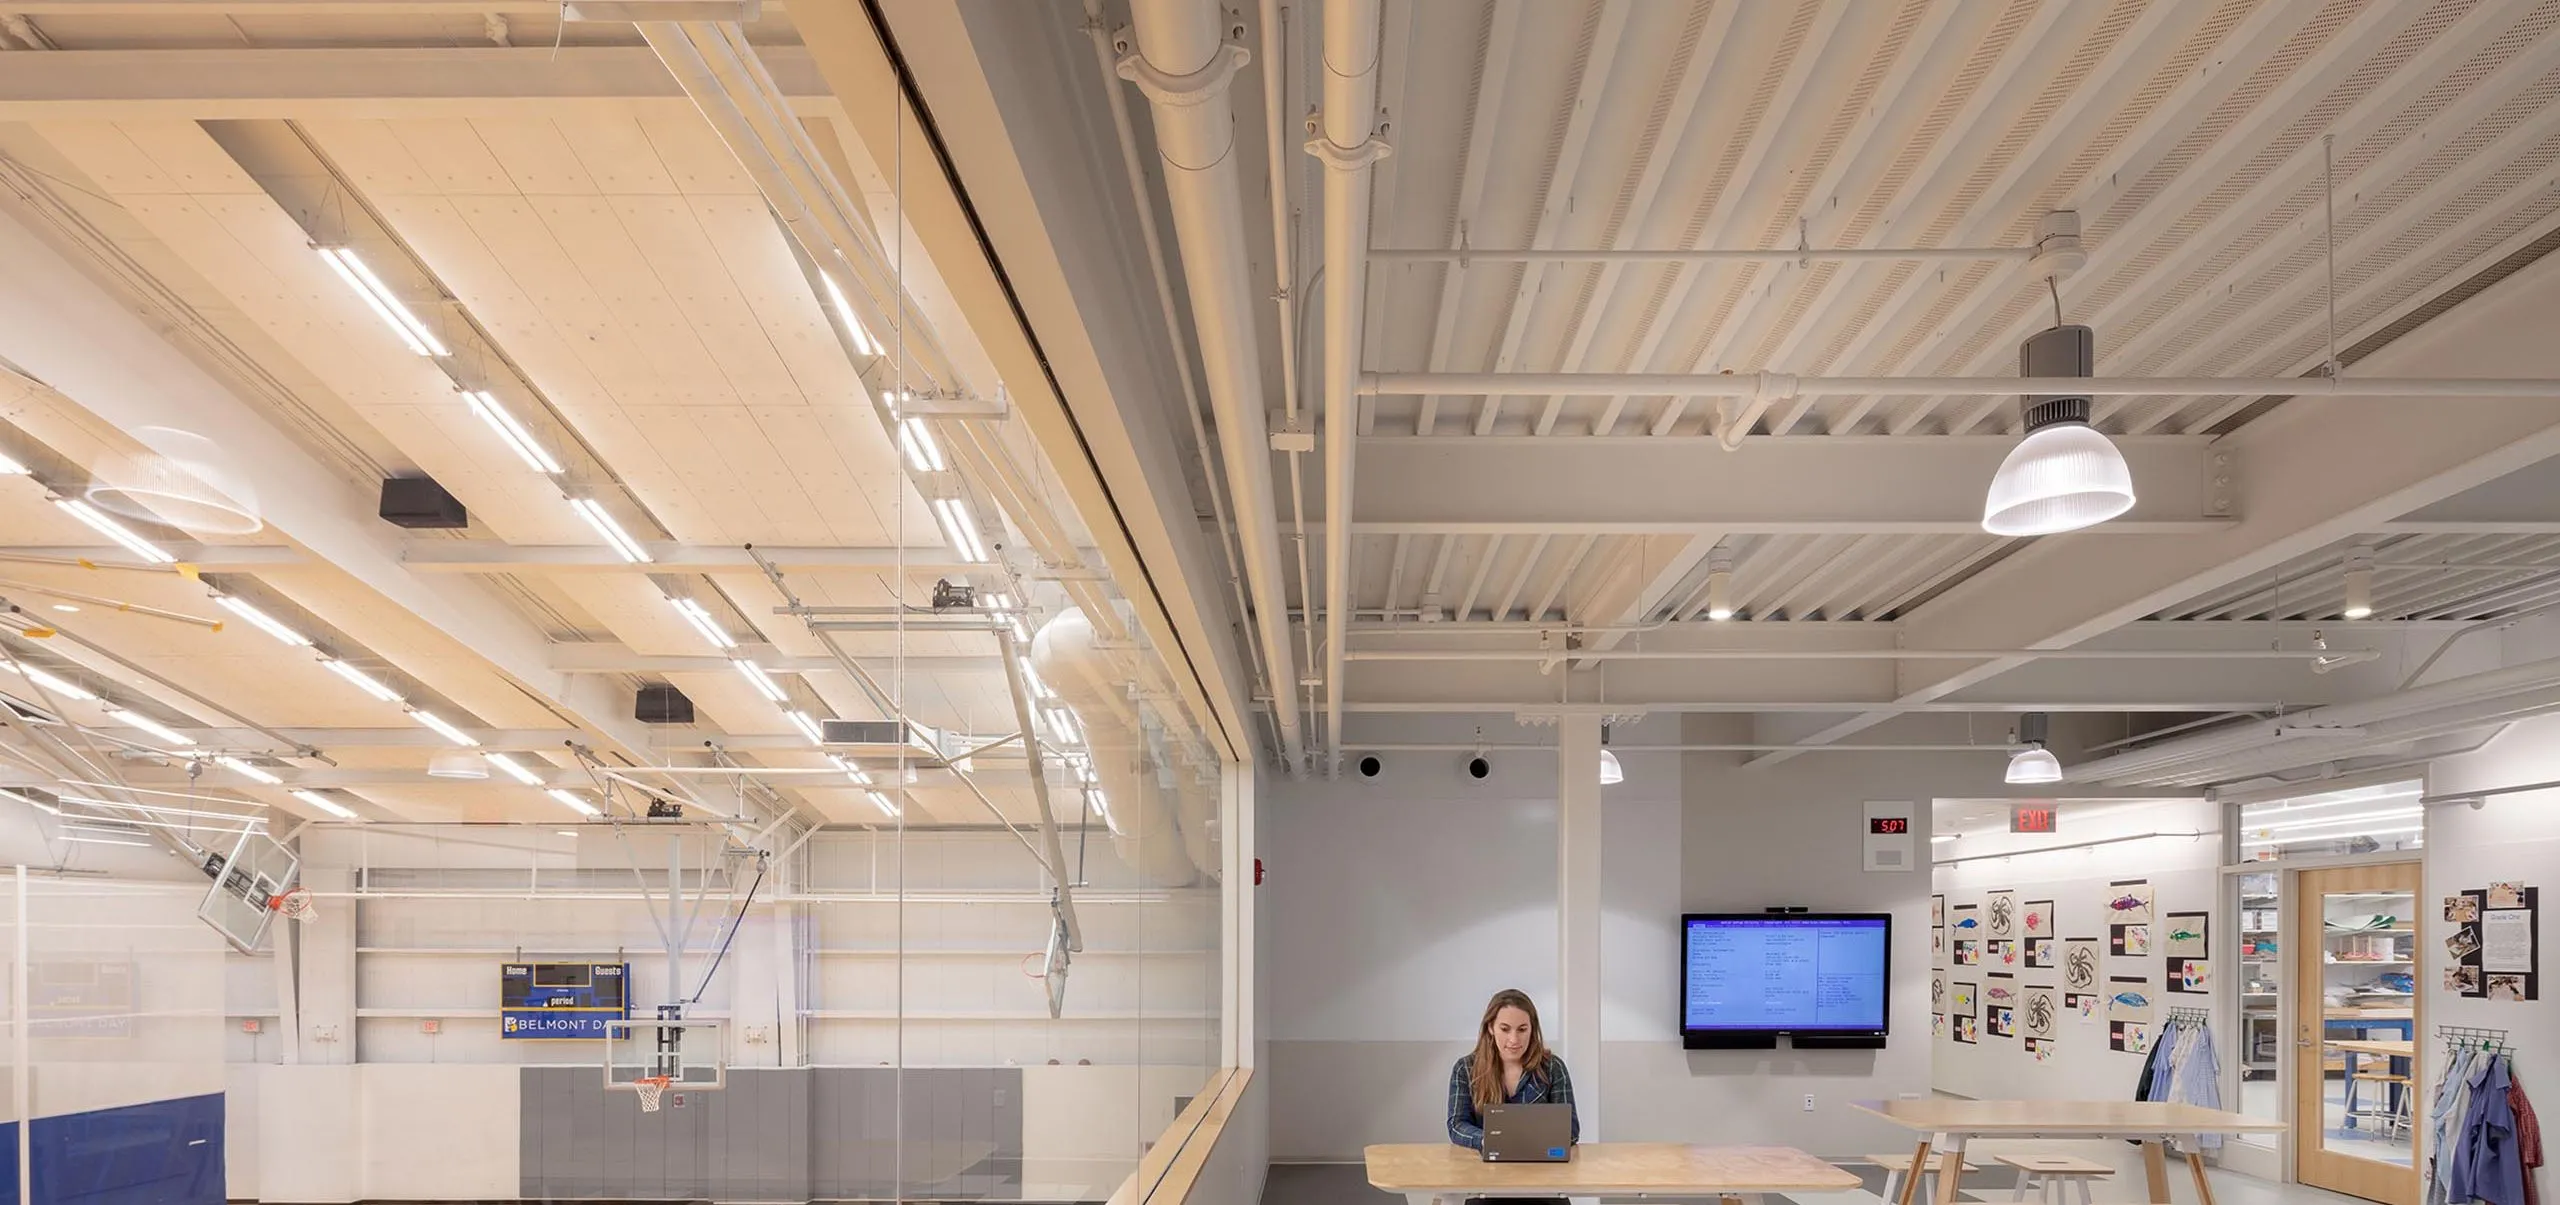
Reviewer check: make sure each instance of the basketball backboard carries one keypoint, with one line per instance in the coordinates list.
(246, 882)
(692, 1054)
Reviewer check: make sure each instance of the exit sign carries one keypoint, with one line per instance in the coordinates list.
(2031, 818)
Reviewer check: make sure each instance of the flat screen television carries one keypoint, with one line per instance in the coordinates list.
(1814, 978)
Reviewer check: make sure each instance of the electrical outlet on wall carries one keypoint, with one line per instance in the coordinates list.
(1808, 1102)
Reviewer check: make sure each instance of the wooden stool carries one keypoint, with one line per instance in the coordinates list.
(2053, 1176)
(1895, 1165)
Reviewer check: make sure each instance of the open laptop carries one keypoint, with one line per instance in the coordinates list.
(1528, 1134)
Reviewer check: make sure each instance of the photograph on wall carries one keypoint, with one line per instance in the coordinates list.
(2461, 909)
(2002, 914)
(2129, 941)
(1968, 1030)
(2004, 951)
(1937, 944)
(2131, 1037)
(2129, 999)
(2187, 936)
(2043, 1012)
(1960, 999)
(2129, 902)
(2083, 1004)
(1937, 910)
(2506, 895)
(2004, 1022)
(2512, 989)
(2039, 918)
(2041, 953)
(2464, 980)
(2464, 943)
(1968, 952)
(2042, 1048)
(2189, 976)
(2080, 964)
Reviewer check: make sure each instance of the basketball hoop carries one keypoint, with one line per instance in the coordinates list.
(295, 904)
(650, 1088)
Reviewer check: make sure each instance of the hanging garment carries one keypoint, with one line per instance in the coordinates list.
(2444, 1124)
(2486, 1166)
(2151, 1068)
(2528, 1134)
(2195, 1078)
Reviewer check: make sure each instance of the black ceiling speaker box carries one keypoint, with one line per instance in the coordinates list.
(662, 705)
(419, 504)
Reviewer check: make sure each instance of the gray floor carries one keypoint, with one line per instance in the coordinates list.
(1346, 1184)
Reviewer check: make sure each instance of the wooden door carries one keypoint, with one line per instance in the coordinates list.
(2352, 933)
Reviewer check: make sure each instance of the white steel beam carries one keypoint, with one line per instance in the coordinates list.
(1502, 39)
(2311, 476)
(1767, 485)
(614, 658)
(351, 83)
(490, 556)
(62, 328)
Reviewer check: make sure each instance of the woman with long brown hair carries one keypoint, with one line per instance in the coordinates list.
(1511, 1066)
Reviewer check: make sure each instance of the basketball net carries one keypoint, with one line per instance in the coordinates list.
(295, 904)
(650, 1088)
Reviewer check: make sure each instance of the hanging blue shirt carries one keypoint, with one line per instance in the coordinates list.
(2488, 1167)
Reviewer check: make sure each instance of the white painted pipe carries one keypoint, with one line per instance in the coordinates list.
(1185, 64)
(1771, 384)
(1774, 255)
(2332, 660)
(1347, 145)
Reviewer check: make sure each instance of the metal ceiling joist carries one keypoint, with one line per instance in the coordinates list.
(349, 83)
(1801, 484)
(2315, 475)
(488, 556)
(63, 328)
(615, 658)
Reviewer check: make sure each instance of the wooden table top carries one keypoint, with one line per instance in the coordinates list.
(1600, 1168)
(2095, 1118)
(2382, 1046)
(2376, 1014)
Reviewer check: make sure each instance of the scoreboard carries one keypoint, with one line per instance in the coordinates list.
(562, 999)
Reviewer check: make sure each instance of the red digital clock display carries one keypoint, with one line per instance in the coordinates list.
(1888, 826)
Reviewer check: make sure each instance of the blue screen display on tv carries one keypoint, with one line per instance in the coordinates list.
(1803, 973)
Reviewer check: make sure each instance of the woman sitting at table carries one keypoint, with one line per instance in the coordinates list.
(1511, 1066)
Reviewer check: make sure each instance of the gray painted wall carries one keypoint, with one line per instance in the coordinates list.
(778, 1135)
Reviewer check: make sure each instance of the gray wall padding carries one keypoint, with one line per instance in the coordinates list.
(796, 1134)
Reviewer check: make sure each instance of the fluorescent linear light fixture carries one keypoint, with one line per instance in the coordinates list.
(763, 682)
(143, 723)
(362, 680)
(2346, 822)
(81, 836)
(995, 601)
(249, 770)
(11, 468)
(597, 517)
(262, 621)
(1063, 723)
(880, 799)
(851, 770)
(808, 727)
(961, 529)
(115, 531)
(2306, 838)
(485, 404)
(1031, 680)
(569, 799)
(513, 769)
(441, 727)
(68, 690)
(924, 453)
(326, 804)
(352, 269)
(700, 617)
(862, 340)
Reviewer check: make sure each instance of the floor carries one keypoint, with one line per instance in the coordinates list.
(2258, 1099)
(1346, 1184)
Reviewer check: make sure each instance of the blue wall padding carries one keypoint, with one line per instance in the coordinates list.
(162, 1152)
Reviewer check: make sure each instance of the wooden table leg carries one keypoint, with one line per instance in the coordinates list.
(2155, 1169)
(2195, 1167)
(1910, 1193)
(1950, 1169)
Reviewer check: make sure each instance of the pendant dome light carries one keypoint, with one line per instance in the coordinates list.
(2065, 475)
(2032, 764)
(1611, 773)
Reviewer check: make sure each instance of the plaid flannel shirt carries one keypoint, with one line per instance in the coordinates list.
(1546, 1085)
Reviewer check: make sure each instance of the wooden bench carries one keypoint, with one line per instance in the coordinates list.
(1895, 1166)
(2055, 1175)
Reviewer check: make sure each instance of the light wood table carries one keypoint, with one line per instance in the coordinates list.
(2380, 1047)
(1436, 1172)
(1945, 1125)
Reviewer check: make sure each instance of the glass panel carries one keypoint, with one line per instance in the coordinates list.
(2368, 940)
(2261, 985)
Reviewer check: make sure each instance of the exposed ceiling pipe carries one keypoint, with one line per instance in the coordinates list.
(1771, 255)
(1284, 250)
(1345, 142)
(2326, 660)
(1756, 384)
(1185, 61)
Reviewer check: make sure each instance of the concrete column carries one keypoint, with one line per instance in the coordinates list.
(1576, 1028)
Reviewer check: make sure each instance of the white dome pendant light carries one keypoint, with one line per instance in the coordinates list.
(2065, 475)
(1611, 773)
(2032, 764)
